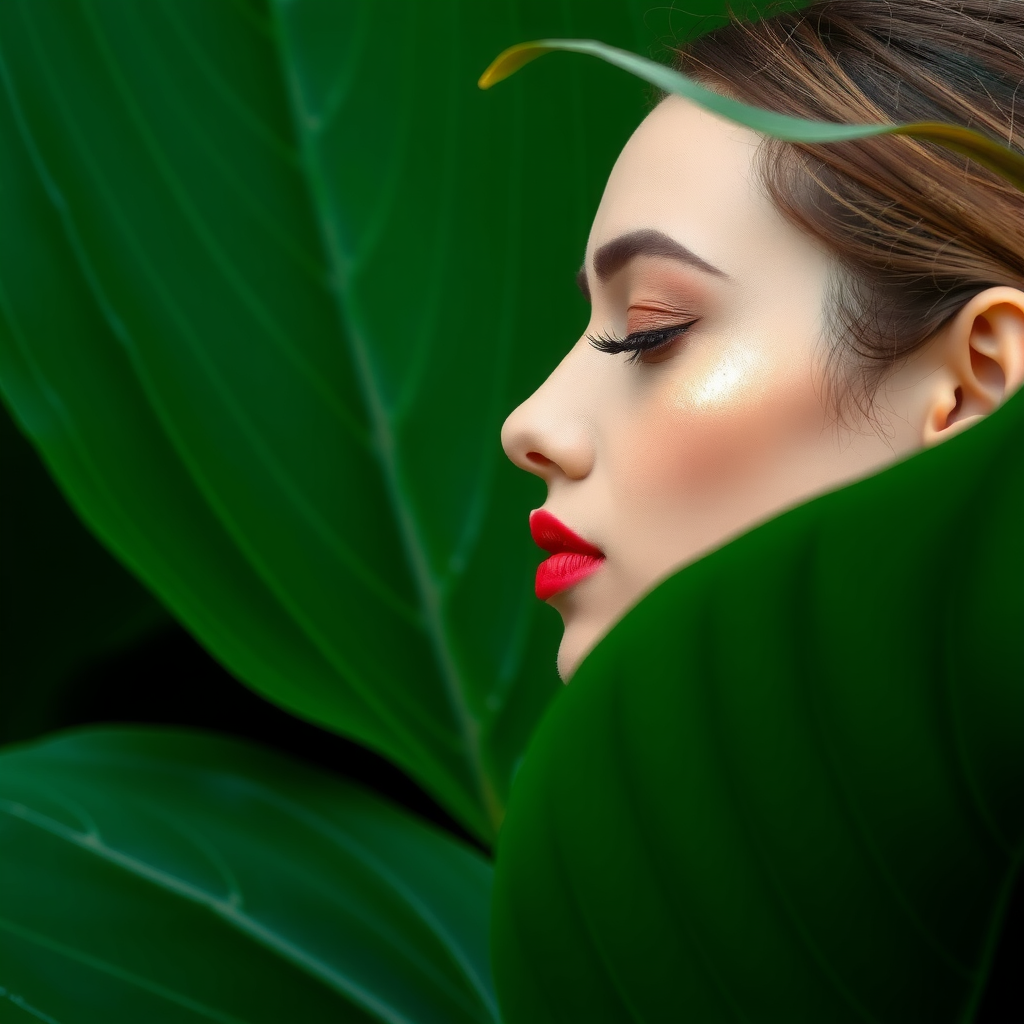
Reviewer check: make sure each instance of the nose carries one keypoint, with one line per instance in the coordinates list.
(550, 435)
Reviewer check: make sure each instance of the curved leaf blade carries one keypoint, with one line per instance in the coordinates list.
(167, 875)
(992, 154)
(266, 384)
(788, 786)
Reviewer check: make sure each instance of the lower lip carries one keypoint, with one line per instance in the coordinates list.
(564, 570)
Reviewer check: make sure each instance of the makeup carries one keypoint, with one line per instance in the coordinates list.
(640, 343)
(572, 558)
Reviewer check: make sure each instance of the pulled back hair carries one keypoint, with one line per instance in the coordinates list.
(915, 230)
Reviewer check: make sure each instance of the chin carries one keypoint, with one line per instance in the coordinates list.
(588, 612)
(567, 662)
(576, 644)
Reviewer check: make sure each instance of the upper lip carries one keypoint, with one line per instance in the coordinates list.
(555, 537)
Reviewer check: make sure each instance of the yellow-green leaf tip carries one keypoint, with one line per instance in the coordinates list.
(509, 61)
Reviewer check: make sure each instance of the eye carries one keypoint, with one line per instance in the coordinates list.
(645, 346)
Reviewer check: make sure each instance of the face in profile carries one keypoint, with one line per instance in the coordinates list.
(694, 406)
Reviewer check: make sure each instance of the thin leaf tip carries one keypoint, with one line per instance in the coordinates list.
(509, 61)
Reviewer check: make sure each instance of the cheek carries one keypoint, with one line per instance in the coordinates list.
(713, 427)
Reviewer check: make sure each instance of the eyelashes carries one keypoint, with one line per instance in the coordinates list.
(640, 343)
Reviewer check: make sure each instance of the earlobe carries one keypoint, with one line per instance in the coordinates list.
(982, 363)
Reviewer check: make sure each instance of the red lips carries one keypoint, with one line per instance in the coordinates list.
(572, 558)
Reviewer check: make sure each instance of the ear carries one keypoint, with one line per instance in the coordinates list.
(980, 363)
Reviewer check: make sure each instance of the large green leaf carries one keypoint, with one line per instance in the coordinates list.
(63, 600)
(271, 275)
(159, 876)
(789, 785)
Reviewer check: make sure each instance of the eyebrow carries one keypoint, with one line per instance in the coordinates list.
(614, 255)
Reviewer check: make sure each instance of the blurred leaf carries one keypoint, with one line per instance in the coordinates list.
(154, 875)
(994, 155)
(274, 273)
(63, 600)
(788, 785)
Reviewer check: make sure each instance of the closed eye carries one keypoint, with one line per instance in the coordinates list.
(640, 344)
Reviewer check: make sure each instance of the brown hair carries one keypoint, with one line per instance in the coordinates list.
(916, 230)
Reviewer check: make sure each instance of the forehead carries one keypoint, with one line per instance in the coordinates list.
(691, 175)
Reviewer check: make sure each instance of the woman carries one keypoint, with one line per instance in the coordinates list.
(769, 321)
(790, 786)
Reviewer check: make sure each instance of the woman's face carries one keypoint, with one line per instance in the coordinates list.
(652, 463)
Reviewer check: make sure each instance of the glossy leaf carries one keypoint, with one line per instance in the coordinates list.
(158, 875)
(269, 283)
(994, 155)
(789, 785)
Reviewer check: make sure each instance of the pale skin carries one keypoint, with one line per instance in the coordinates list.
(660, 461)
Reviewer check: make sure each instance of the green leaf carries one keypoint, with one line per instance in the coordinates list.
(269, 284)
(787, 786)
(994, 155)
(63, 600)
(162, 875)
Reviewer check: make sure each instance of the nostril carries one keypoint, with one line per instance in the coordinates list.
(538, 459)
